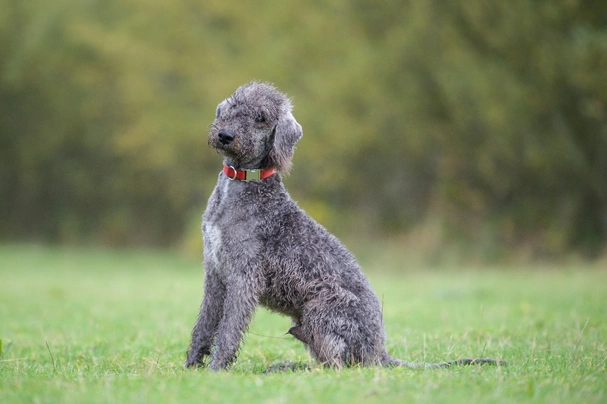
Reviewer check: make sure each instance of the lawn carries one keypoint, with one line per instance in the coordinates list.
(98, 326)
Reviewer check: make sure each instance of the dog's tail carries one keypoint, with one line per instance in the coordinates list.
(393, 362)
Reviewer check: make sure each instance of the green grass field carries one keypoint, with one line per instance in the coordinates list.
(96, 326)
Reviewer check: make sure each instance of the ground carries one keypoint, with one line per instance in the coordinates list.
(104, 326)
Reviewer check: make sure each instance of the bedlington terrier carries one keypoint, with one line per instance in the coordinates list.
(260, 248)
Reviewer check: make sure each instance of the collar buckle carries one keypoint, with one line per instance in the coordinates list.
(253, 175)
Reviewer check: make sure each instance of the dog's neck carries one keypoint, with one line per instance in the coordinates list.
(247, 175)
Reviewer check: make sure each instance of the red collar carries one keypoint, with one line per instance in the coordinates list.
(247, 175)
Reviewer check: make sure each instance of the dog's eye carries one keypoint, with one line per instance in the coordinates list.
(260, 118)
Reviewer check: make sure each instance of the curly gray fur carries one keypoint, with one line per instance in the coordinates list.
(261, 248)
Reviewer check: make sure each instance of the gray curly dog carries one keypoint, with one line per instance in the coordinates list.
(261, 248)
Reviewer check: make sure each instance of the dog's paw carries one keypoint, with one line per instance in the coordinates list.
(194, 363)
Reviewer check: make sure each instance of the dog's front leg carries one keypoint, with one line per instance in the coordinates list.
(242, 297)
(207, 323)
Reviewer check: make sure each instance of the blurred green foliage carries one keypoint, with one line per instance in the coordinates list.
(485, 119)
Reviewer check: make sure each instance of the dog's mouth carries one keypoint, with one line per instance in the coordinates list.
(217, 145)
(230, 150)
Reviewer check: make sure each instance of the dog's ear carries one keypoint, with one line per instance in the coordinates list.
(286, 133)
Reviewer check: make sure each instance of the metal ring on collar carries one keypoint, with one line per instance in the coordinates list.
(235, 173)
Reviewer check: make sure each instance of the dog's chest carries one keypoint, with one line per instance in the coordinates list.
(212, 243)
(229, 227)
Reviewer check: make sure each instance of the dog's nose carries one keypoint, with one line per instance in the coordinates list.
(225, 137)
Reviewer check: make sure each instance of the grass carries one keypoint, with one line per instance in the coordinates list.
(95, 326)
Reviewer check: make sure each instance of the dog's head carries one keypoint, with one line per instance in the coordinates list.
(254, 128)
